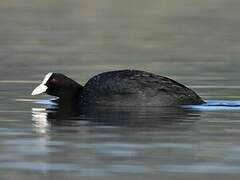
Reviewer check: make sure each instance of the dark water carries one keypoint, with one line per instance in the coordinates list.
(194, 42)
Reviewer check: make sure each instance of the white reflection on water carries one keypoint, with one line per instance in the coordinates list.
(40, 122)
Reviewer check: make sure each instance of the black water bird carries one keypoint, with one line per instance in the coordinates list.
(119, 88)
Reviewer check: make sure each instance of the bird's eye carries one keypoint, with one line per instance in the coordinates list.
(53, 80)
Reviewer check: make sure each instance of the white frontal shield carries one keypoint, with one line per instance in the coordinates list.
(39, 89)
(42, 87)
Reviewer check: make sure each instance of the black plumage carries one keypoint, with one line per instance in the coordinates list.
(123, 88)
(133, 87)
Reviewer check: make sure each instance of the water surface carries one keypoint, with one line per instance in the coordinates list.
(193, 42)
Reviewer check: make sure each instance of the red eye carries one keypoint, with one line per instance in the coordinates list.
(53, 80)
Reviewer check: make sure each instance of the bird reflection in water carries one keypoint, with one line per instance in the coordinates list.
(40, 120)
(137, 117)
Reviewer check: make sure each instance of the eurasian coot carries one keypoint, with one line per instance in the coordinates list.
(119, 88)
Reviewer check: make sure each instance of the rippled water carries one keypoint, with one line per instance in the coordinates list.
(193, 42)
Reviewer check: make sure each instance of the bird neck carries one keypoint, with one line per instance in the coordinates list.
(71, 95)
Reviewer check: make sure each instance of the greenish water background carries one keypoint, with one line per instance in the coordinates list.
(194, 42)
